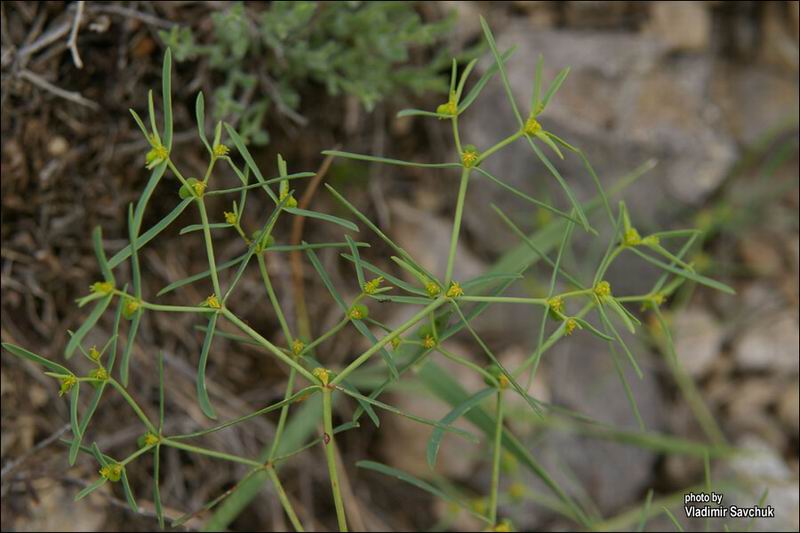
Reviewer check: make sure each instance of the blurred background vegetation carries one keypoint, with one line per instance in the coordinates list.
(709, 90)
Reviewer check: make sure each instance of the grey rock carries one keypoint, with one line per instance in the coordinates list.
(770, 344)
(624, 102)
(698, 339)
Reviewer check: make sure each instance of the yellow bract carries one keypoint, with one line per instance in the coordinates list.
(322, 374)
(556, 304)
(66, 384)
(297, 346)
(102, 287)
(455, 290)
(220, 150)
(94, 354)
(432, 289)
(602, 289)
(632, 237)
(213, 302)
(373, 285)
(429, 342)
(532, 126)
(570, 326)
(230, 218)
(112, 471)
(469, 157)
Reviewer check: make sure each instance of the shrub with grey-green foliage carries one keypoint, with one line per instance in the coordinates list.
(361, 49)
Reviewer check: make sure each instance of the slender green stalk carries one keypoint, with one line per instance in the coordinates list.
(502, 144)
(136, 454)
(456, 137)
(504, 299)
(211, 453)
(360, 360)
(285, 502)
(134, 405)
(177, 173)
(283, 415)
(469, 364)
(325, 336)
(253, 334)
(330, 456)
(262, 267)
(212, 264)
(497, 449)
(451, 256)
(174, 308)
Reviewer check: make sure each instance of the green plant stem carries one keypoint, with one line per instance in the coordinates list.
(456, 137)
(136, 454)
(322, 338)
(211, 453)
(262, 267)
(134, 405)
(175, 308)
(502, 144)
(387, 339)
(504, 299)
(558, 334)
(330, 456)
(498, 446)
(466, 363)
(451, 256)
(283, 415)
(178, 174)
(253, 334)
(284, 499)
(211, 164)
(212, 264)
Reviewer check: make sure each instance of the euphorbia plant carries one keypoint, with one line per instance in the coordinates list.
(446, 306)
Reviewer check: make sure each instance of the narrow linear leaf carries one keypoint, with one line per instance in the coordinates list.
(553, 89)
(74, 422)
(88, 324)
(90, 489)
(557, 175)
(420, 484)
(160, 392)
(618, 337)
(200, 115)
(38, 359)
(457, 412)
(156, 489)
(421, 113)
(685, 273)
(487, 32)
(528, 198)
(322, 216)
(147, 236)
(199, 227)
(202, 275)
(388, 277)
(141, 125)
(357, 261)
(673, 519)
(97, 240)
(367, 222)
(248, 159)
(124, 363)
(428, 422)
(478, 87)
(166, 96)
(126, 486)
(645, 511)
(388, 161)
(202, 393)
